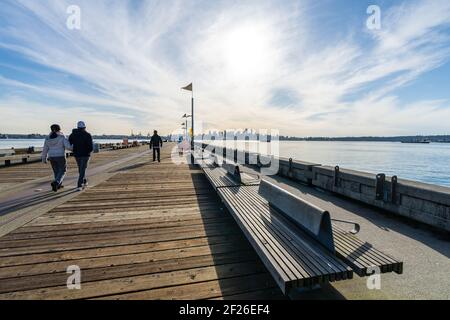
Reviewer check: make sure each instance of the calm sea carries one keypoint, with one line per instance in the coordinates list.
(428, 163)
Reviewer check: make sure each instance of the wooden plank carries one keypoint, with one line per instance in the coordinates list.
(49, 280)
(154, 229)
(86, 230)
(206, 290)
(134, 258)
(122, 222)
(316, 271)
(282, 254)
(138, 283)
(314, 253)
(313, 260)
(68, 255)
(117, 241)
(362, 255)
(283, 276)
(206, 227)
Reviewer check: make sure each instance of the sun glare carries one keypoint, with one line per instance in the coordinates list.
(246, 50)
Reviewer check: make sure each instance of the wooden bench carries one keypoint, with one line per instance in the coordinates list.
(297, 241)
(225, 173)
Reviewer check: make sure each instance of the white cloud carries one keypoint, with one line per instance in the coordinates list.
(237, 55)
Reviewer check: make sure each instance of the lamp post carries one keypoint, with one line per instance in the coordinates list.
(190, 88)
(186, 116)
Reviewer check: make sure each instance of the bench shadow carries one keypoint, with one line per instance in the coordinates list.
(384, 220)
(237, 247)
(325, 292)
(32, 200)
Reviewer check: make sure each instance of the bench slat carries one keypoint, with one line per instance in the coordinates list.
(293, 257)
(313, 264)
(293, 231)
(361, 255)
(305, 271)
(266, 253)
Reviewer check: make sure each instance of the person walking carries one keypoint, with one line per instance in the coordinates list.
(54, 150)
(156, 144)
(82, 149)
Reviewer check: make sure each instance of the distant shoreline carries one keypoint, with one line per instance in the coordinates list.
(405, 139)
(413, 139)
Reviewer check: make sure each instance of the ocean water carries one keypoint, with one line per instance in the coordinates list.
(429, 163)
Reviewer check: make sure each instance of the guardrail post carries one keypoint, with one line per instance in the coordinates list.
(290, 174)
(394, 181)
(336, 176)
(379, 190)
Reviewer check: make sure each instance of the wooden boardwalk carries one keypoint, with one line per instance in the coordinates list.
(152, 231)
(18, 174)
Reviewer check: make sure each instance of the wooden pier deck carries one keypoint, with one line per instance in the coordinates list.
(19, 174)
(152, 231)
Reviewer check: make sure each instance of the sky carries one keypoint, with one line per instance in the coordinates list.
(305, 67)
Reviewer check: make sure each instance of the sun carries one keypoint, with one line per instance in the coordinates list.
(247, 50)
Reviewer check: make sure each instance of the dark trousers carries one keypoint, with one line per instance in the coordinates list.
(82, 163)
(59, 166)
(155, 152)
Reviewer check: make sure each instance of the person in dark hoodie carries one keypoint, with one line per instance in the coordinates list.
(156, 144)
(54, 150)
(82, 148)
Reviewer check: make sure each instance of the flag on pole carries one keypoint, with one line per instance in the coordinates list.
(188, 87)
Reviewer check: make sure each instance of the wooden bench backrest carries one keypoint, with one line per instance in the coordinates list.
(313, 220)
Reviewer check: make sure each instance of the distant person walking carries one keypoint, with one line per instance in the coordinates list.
(82, 148)
(156, 144)
(54, 150)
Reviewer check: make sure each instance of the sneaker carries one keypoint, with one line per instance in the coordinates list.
(85, 182)
(60, 186)
(79, 189)
(54, 185)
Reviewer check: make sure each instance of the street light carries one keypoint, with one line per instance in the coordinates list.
(186, 116)
(190, 88)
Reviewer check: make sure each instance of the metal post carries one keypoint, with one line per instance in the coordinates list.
(394, 181)
(192, 119)
(336, 176)
(379, 186)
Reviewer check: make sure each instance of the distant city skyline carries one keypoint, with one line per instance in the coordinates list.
(305, 68)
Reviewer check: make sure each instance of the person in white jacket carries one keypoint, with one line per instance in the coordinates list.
(55, 151)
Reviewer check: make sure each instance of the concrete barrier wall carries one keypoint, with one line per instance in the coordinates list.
(418, 201)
